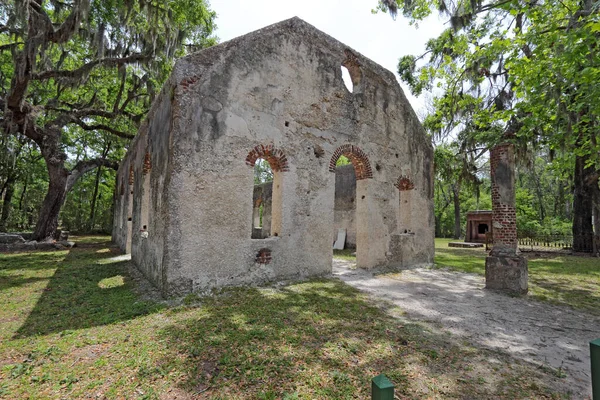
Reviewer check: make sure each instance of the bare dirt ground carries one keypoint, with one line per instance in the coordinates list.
(543, 334)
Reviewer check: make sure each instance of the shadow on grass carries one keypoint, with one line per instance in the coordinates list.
(318, 339)
(76, 297)
(31, 261)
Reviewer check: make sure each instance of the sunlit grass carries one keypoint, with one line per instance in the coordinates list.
(73, 327)
(558, 279)
(346, 254)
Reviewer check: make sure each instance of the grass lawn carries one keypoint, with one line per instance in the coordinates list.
(558, 279)
(71, 326)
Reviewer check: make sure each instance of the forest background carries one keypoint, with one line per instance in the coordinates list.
(77, 77)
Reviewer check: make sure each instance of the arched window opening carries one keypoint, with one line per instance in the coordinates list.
(356, 157)
(347, 79)
(268, 164)
(351, 73)
(262, 199)
(352, 171)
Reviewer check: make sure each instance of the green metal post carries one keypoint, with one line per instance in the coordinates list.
(382, 388)
(595, 358)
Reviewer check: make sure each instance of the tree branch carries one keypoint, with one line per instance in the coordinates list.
(86, 68)
(70, 25)
(10, 45)
(103, 127)
(85, 166)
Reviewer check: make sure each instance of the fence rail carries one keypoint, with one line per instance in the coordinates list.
(554, 243)
(573, 243)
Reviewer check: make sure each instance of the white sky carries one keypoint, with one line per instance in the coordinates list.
(376, 36)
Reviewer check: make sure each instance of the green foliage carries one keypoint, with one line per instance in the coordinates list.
(527, 219)
(22, 163)
(521, 72)
(75, 215)
(87, 74)
(456, 180)
(262, 172)
(343, 160)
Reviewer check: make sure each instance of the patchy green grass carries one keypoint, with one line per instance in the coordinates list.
(346, 254)
(554, 278)
(72, 327)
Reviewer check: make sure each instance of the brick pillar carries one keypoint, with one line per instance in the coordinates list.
(505, 269)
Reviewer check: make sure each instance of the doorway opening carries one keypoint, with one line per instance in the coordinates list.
(351, 229)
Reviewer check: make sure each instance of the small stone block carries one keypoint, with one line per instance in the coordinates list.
(382, 388)
(465, 245)
(506, 273)
(595, 361)
(341, 240)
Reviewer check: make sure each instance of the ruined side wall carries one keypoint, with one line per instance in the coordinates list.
(123, 198)
(148, 154)
(283, 86)
(148, 250)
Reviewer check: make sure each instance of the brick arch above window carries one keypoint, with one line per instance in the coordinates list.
(404, 183)
(131, 175)
(147, 163)
(358, 158)
(276, 157)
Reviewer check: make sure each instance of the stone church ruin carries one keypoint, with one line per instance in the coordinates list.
(187, 207)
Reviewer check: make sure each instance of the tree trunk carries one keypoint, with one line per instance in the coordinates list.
(92, 221)
(96, 185)
(6, 205)
(61, 181)
(583, 203)
(55, 197)
(559, 200)
(23, 193)
(456, 199)
(2, 188)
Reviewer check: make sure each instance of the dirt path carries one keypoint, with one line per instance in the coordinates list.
(536, 332)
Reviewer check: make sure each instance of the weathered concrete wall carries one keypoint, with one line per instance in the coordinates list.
(149, 201)
(345, 204)
(280, 87)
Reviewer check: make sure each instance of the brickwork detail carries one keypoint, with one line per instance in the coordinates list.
(189, 81)
(263, 256)
(404, 183)
(358, 158)
(276, 157)
(147, 163)
(353, 65)
(504, 216)
(131, 175)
